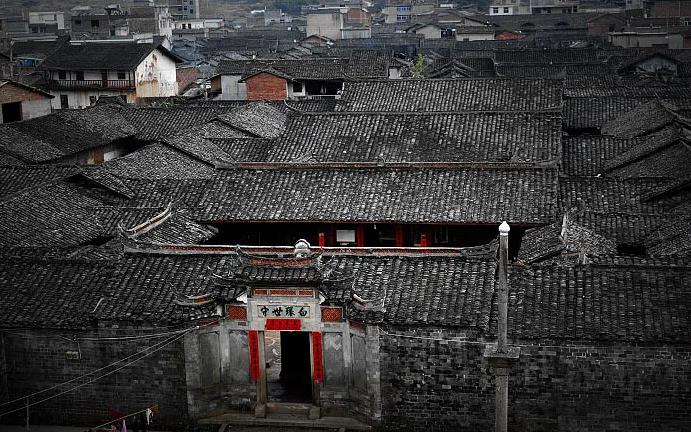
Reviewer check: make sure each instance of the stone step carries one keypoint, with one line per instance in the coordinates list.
(232, 422)
(289, 408)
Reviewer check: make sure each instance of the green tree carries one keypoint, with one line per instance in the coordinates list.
(418, 66)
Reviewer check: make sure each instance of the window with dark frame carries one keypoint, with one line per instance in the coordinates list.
(64, 101)
(122, 75)
(62, 75)
(80, 75)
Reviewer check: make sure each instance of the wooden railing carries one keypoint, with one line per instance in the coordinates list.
(105, 84)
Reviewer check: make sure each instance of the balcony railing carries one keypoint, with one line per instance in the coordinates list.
(91, 84)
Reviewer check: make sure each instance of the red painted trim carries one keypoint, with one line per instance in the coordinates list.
(322, 240)
(318, 369)
(254, 354)
(283, 324)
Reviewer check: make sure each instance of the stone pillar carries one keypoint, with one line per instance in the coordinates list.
(502, 356)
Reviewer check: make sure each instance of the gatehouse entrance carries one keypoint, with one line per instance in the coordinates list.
(288, 368)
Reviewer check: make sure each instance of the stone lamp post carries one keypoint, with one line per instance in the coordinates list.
(501, 356)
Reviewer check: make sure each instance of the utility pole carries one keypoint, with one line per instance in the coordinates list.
(502, 356)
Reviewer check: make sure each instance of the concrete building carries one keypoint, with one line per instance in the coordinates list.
(184, 9)
(314, 78)
(337, 24)
(87, 24)
(79, 73)
(533, 7)
(468, 30)
(648, 37)
(22, 102)
(201, 23)
(396, 12)
(115, 23)
(46, 22)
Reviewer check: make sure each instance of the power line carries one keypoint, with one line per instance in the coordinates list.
(82, 376)
(167, 342)
(108, 338)
(180, 332)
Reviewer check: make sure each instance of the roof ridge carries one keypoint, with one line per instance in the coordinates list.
(556, 112)
(546, 165)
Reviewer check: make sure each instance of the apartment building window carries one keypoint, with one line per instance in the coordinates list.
(495, 10)
(506, 10)
(62, 75)
(403, 9)
(80, 75)
(400, 18)
(64, 102)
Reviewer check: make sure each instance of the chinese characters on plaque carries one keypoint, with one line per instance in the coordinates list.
(283, 311)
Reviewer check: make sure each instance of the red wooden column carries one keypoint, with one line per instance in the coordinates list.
(330, 235)
(398, 233)
(360, 236)
(317, 374)
(317, 361)
(254, 355)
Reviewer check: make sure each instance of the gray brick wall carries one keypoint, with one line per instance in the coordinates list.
(436, 385)
(36, 360)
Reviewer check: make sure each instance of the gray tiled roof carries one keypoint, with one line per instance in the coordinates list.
(673, 238)
(622, 227)
(539, 244)
(48, 215)
(546, 56)
(309, 68)
(157, 162)
(593, 112)
(456, 195)
(629, 125)
(98, 56)
(14, 179)
(410, 137)
(159, 123)
(452, 95)
(588, 155)
(635, 302)
(67, 132)
(547, 70)
(256, 119)
(622, 300)
(609, 194)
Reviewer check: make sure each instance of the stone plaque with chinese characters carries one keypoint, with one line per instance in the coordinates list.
(283, 311)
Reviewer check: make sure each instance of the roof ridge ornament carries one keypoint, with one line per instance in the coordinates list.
(302, 249)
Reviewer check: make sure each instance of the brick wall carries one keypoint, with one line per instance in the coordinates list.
(185, 76)
(265, 86)
(437, 385)
(36, 360)
(12, 93)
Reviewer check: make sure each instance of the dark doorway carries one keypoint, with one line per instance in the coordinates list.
(288, 368)
(11, 112)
